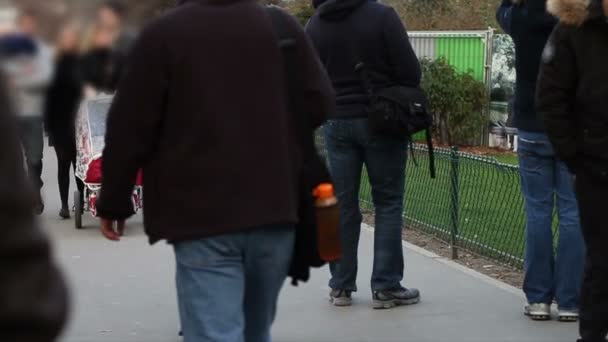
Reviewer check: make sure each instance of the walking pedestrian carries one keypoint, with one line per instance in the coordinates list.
(572, 93)
(28, 66)
(107, 49)
(203, 110)
(346, 33)
(62, 100)
(550, 274)
(33, 296)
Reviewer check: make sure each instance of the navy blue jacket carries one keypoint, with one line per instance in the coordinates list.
(347, 32)
(530, 26)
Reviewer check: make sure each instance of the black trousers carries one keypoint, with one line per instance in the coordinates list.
(593, 202)
(66, 159)
(32, 140)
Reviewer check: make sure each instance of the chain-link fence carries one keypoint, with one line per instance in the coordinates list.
(475, 203)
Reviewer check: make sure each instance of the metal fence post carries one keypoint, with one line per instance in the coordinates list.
(454, 199)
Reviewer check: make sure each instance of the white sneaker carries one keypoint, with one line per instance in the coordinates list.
(568, 315)
(538, 312)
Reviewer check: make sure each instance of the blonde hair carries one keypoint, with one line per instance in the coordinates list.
(75, 27)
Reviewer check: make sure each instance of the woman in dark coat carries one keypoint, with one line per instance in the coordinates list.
(102, 65)
(63, 98)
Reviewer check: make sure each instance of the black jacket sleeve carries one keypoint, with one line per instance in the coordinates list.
(319, 99)
(33, 296)
(556, 93)
(403, 59)
(504, 15)
(134, 123)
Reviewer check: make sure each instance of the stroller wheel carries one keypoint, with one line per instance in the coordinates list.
(78, 208)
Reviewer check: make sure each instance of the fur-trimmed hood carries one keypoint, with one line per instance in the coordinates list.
(575, 12)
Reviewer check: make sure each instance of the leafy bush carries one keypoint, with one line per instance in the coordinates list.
(458, 102)
(301, 9)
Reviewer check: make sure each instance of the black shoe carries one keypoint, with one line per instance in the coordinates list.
(398, 297)
(64, 213)
(39, 208)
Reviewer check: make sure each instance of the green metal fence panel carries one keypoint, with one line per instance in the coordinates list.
(466, 54)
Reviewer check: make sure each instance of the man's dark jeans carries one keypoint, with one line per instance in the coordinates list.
(32, 140)
(592, 197)
(350, 147)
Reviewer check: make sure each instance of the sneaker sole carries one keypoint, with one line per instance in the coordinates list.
(341, 302)
(568, 319)
(390, 304)
(538, 317)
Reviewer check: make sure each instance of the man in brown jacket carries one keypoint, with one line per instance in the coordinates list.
(203, 110)
(33, 297)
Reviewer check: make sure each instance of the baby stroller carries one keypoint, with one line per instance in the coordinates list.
(90, 142)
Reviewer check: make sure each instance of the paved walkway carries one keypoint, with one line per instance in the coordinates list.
(124, 293)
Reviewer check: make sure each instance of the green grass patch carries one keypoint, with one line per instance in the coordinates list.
(507, 158)
(490, 216)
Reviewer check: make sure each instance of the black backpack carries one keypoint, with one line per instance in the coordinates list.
(398, 112)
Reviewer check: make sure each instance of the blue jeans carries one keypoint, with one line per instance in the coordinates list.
(546, 182)
(350, 147)
(228, 286)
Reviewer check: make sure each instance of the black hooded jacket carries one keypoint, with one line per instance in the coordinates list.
(572, 88)
(347, 32)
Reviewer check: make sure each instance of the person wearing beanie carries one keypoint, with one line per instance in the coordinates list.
(572, 101)
(347, 33)
(550, 274)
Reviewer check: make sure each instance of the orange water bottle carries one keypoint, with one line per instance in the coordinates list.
(328, 222)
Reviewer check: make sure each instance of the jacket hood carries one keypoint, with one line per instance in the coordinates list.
(532, 4)
(575, 12)
(337, 10)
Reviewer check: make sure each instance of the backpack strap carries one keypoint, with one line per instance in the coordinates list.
(429, 144)
(288, 46)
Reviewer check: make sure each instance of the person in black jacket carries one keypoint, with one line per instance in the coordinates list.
(33, 294)
(546, 181)
(103, 63)
(346, 33)
(572, 100)
(62, 101)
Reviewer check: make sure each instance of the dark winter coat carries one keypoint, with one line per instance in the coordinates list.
(348, 32)
(572, 88)
(33, 296)
(530, 26)
(203, 109)
(102, 69)
(62, 100)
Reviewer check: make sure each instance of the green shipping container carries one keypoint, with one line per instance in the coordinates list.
(467, 51)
